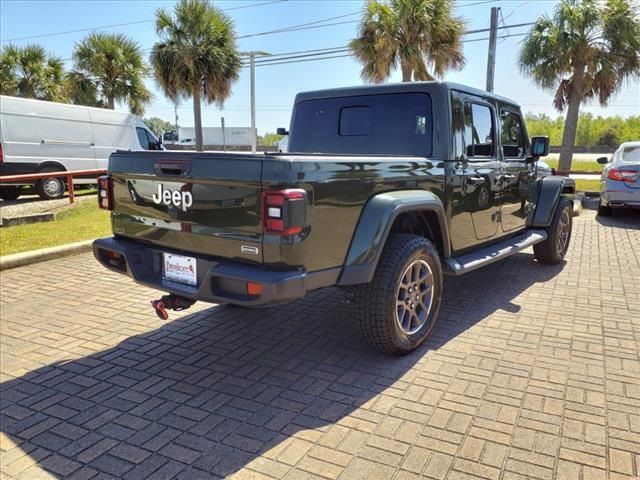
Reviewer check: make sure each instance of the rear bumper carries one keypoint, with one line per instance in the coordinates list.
(217, 281)
(621, 197)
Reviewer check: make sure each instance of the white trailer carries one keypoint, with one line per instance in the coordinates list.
(233, 136)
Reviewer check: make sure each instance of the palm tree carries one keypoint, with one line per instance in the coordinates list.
(110, 67)
(417, 35)
(586, 50)
(196, 56)
(30, 72)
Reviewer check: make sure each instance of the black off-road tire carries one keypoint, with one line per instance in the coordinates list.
(46, 193)
(375, 302)
(554, 248)
(604, 211)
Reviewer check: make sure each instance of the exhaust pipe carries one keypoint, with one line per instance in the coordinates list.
(170, 302)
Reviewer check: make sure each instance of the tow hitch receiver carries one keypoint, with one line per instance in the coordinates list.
(170, 302)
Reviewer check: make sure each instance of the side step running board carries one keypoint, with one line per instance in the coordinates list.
(484, 256)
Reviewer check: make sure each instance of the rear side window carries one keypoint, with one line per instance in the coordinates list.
(631, 155)
(478, 130)
(391, 124)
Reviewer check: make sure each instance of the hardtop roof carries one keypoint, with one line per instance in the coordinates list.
(399, 88)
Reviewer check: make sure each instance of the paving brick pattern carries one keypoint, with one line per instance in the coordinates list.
(532, 372)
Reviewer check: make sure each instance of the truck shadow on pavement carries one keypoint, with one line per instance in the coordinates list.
(622, 218)
(207, 394)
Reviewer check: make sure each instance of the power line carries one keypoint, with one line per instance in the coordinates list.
(138, 22)
(330, 55)
(300, 61)
(337, 52)
(88, 29)
(75, 31)
(296, 27)
(341, 49)
(328, 52)
(292, 29)
(253, 5)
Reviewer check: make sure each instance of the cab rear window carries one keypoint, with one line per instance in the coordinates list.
(391, 124)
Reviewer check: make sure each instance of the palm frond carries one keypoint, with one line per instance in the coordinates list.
(417, 35)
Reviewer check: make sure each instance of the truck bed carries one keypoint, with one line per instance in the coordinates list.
(227, 210)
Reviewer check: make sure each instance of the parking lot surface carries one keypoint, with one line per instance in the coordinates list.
(531, 372)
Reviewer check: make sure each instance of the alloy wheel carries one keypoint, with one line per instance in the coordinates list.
(564, 230)
(414, 297)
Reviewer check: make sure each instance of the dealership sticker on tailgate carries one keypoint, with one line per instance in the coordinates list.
(180, 269)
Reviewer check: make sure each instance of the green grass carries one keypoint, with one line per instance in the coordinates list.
(578, 166)
(588, 185)
(84, 221)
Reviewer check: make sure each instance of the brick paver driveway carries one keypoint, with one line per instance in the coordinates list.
(532, 372)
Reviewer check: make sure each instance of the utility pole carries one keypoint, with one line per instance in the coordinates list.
(224, 139)
(491, 60)
(252, 65)
(254, 140)
(175, 113)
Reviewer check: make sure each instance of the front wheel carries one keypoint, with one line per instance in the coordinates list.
(397, 310)
(554, 248)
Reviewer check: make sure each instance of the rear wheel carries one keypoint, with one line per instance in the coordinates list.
(9, 193)
(554, 248)
(397, 310)
(50, 188)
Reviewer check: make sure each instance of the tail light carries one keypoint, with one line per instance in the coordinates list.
(105, 192)
(1, 154)
(628, 176)
(284, 212)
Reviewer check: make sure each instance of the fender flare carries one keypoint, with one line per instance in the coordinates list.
(545, 194)
(373, 229)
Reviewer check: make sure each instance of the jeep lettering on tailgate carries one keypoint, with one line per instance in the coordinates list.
(177, 198)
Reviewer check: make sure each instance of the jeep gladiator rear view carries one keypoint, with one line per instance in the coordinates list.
(384, 190)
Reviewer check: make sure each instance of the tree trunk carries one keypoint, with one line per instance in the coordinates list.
(197, 118)
(111, 103)
(406, 72)
(571, 120)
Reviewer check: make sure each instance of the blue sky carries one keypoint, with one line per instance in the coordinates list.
(276, 86)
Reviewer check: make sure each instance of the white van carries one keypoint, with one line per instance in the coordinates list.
(38, 136)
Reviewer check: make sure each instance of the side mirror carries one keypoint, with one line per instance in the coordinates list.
(282, 131)
(602, 160)
(540, 146)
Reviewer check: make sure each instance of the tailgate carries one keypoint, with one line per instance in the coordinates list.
(205, 203)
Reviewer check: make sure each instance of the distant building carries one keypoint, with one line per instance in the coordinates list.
(233, 136)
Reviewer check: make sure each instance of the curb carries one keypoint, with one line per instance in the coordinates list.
(42, 255)
(27, 219)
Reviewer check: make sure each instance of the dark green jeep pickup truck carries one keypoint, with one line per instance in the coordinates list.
(384, 190)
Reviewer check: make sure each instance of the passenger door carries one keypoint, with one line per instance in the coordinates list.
(481, 182)
(517, 174)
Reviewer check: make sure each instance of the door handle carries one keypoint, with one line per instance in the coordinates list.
(476, 180)
(507, 176)
(172, 167)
